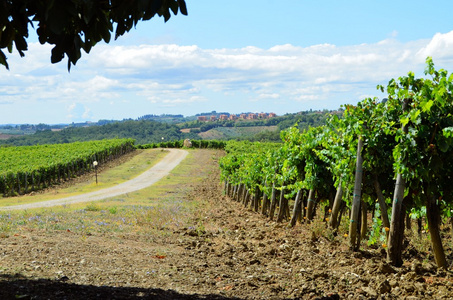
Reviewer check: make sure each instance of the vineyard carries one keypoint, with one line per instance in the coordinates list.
(390, 159)
(200, 144)
(30, 168)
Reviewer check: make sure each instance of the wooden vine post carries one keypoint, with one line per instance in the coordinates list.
(283, 204)
(354, 239)
(297, 210)
(395, 242)
(273, 202)
(433, 216)
(382, 204)
(310, 204)
(396, 234)
(334, 221)
(266, 203)
(257, 199)
(364, 220)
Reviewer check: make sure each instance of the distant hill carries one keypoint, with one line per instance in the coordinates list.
(249, 133)
(151, 128)
(144, 132)
(256, 129)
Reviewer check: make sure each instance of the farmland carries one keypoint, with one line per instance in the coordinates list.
(226, 133)
(183, 239)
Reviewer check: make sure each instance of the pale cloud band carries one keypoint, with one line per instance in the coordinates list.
(172, 77)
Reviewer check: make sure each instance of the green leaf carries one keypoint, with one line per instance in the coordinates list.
(448, 132)
(429, 66)
(57, 54)
(427, 105)
(443, 145)
(7, 38)
(174, 7)
(3, 60)
(414, 114)
(404, 121)
(58, 19)
(182, 7)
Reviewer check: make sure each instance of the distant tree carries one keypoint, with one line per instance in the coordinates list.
(195, 130)
(267, 136)
(72, 25)
(42, 126)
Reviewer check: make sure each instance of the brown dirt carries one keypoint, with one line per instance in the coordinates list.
(187, 130)
(5, 136)
(229, 253)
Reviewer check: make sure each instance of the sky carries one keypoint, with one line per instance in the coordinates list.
(233, 56)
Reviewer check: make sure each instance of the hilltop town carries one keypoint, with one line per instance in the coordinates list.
(233, 117)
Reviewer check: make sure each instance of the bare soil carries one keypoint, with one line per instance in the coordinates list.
(230, 252)
(5, 136)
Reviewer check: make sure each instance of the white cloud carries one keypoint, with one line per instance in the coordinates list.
(191, 99)
(440, 46)
(185, 76)
(255, 67)
(269, 96)
(78, 112)
(92, 90)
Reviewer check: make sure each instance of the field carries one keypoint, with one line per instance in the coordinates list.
(183, 239)
(225, 133)
(5, 136)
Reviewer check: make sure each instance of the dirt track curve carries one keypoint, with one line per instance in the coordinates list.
(147, 178)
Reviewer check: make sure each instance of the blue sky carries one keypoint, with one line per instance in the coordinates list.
(234, 56)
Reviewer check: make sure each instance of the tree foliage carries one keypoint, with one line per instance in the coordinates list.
(73, 25)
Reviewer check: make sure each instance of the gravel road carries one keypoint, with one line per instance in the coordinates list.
(147, 178)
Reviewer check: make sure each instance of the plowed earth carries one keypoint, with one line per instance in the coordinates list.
(230, 252)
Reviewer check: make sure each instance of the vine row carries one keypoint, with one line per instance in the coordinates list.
(25, 169)
(393, 158)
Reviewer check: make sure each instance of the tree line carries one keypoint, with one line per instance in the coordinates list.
(143, 132)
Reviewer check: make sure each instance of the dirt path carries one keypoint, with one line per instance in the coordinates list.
(144, 180)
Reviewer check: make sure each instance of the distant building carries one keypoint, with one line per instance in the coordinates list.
(202, 118)
(243, 116)
(213, 118)
(272, 115)
(223, 117)
(262, 116)
(252, 116)
(233, 117)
